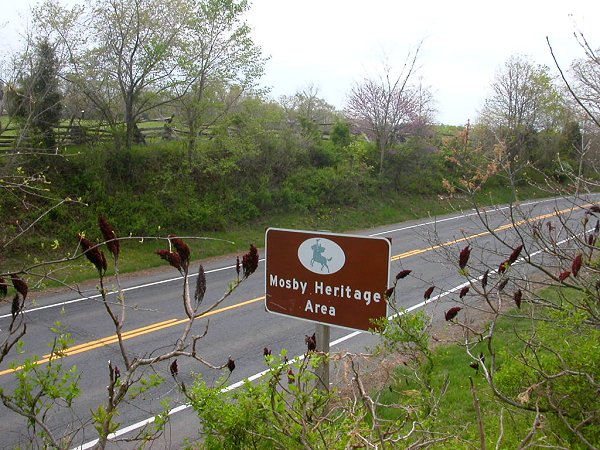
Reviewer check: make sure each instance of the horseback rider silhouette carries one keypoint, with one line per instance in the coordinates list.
(318, 257)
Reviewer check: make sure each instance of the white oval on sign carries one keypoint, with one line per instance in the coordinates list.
(322, 256)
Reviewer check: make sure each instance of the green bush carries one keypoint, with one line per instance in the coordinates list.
(415, 167)
(311, 188)
(554, 369)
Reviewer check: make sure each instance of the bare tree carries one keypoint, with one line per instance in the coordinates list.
(425, 110)
(381, 104)
(505, 280)
(540, 273)
(586, 72)
(584, 92)
(523, 101)
(306, 110)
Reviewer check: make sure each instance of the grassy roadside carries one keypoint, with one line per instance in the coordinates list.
(138, 254)
(554, 332)
(456, 414)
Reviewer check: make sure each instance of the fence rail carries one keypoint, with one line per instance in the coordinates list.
(76, 134)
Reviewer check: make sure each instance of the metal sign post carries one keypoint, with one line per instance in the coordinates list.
(322, 336)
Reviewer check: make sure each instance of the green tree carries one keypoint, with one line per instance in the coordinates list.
(31, 97)
(219, 62)
(571, 141)
(36, 102)
(308, 112)
(123, 55)
(584, 89)
(307, 115)
(340, 134)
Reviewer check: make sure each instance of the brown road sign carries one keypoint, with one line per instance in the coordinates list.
(335, 279)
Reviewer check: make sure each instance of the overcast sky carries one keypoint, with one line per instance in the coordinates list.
(332, 44)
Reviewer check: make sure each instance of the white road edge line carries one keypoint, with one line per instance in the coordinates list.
(132, 288)
(258, 375)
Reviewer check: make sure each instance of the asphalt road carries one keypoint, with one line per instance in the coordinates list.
(240, 326)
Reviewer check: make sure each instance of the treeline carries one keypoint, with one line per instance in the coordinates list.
(255, 164)
(265, 166)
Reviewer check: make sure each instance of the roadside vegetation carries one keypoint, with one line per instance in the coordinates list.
(142, 191)
(467, 401)
(128, 130)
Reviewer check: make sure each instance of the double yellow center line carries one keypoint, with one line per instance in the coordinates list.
(76, 349)
(174, 322)
(475, 236)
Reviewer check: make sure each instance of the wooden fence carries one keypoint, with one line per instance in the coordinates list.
(76, 134)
